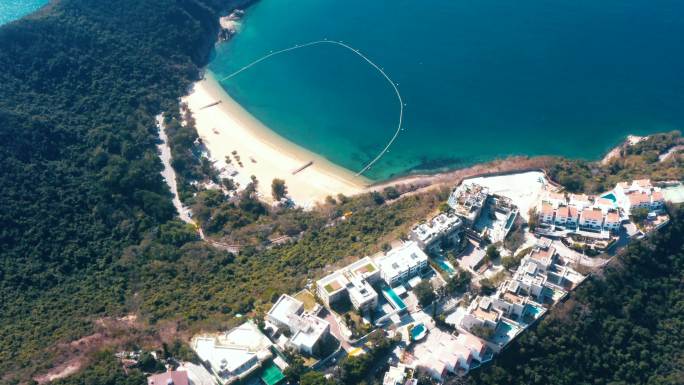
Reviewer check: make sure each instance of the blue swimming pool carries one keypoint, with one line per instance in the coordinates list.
(445, 266)
(504, 333)
(532, 312)
(418, 332)
(393, 298)
(610, 196)
(511, 218)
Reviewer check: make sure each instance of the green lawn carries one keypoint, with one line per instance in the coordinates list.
(307, 298)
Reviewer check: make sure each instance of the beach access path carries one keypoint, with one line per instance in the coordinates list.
(168, 173)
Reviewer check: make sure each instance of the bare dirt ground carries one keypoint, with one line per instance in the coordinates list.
(110, 332)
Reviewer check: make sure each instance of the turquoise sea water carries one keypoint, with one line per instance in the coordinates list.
(481, 78)
(15, 9)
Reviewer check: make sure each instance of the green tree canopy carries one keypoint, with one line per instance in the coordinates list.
(278, 189)
(425, 293)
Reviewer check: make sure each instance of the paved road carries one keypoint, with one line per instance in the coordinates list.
(336, 331)
(573, 256)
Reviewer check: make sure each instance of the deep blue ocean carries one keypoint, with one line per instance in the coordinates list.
(14, 9)
(481, 78)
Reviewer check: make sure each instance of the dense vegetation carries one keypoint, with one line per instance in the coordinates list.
(640, 160)
(621, 327)
(80, 85)
(87, 231)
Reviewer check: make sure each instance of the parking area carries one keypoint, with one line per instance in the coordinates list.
(472, 256)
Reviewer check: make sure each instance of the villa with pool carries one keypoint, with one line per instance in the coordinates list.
(539, 282)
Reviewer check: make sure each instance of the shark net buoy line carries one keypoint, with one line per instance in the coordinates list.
(362, 56)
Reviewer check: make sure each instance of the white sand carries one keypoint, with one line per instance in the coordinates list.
(525, 189)
(228, 127)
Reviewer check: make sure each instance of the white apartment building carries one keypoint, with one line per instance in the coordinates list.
(481, 313)
(543, 255)
(527, 281)
(546, 213)
(235, 354)
(429, 235)
(591, 218)
(308, 331)
(511, 304)
(399, 265)
(361, 294)
(467, 201)
(612, 221)
(639, 194)
(353, 281)
(566, 216)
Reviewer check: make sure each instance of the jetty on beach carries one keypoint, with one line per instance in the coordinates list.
(210, 105)
(309, 163)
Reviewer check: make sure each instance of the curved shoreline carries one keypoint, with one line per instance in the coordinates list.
(509, 165)
(226, 126)
(277, 157)
(362, 56)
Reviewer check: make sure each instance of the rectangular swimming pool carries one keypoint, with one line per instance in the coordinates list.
(504, 333)
(531, 313)
(444, 265)
(393, 298)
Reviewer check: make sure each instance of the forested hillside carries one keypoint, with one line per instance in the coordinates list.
(621, 327)
(80, 85)
(86, 234)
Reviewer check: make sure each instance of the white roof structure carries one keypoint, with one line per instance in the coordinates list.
(354, 279)
(436, 227)
(440, 351)
(307, 329)
(467, 199)
(235, 352)
(283, 310)
(310, 329)
(404, 258)
(395, 375)
(360, 290)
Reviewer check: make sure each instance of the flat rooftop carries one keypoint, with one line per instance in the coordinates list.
(232, 350)
(488, 315)
(310, 329)
(341, 278)
(360, 290)
(333, 282)
(543, 255)
(284, 308)
(513, 298)
(403, 258)
(438, 225)
(467, 198)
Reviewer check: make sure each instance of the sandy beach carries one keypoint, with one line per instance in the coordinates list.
(227, 127)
